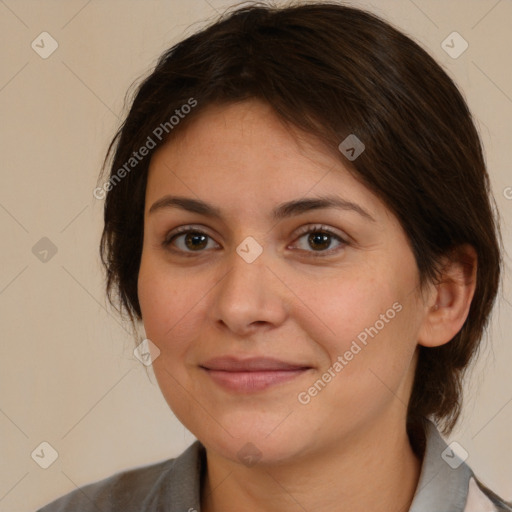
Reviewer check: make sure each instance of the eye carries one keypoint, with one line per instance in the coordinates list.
(191, 240)
(187, 239)
(320, 238)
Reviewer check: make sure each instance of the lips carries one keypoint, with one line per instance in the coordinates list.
(233, 364)
(253, 374)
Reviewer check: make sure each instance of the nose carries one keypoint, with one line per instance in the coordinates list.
(250, 296)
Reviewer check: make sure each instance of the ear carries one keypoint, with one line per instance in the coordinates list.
(448, 304)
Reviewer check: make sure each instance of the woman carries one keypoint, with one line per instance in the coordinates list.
(298, 211)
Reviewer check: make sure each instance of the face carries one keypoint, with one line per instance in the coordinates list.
(249, 263)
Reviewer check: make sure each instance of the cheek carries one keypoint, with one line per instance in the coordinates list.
(168, 300)
(369, 320)
(337, 310)
(366, 338)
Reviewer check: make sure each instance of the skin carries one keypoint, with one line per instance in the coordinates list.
(347, 449)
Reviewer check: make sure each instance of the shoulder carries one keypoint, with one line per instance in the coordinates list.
(141, 488)
(113, 492)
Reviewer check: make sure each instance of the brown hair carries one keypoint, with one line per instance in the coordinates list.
(331, 70)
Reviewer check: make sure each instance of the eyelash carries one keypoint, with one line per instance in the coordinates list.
(305, 231)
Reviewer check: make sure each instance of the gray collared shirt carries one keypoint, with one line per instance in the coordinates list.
(446, 484)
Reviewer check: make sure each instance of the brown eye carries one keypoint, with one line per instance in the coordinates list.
(194, 240)
(319, 240)
(187, 240)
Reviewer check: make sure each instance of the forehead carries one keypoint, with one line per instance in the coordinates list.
(243, 131)
(242, 155)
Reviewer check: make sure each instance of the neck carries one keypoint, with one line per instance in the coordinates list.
(374, 470)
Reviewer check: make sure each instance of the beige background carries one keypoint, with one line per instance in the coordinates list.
(68, 375)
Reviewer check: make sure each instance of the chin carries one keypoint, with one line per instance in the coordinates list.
(262, 452)
(261, 443)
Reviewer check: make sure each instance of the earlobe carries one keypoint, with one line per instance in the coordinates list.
(450, 300)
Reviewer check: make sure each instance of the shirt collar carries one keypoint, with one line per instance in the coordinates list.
(444, 478)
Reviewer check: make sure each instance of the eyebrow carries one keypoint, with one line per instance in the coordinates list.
(283, 210)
